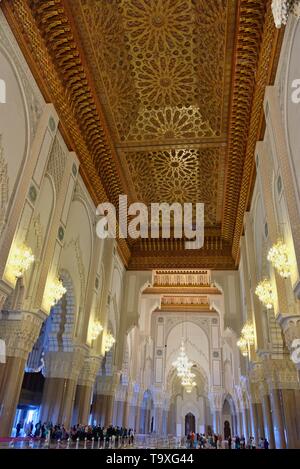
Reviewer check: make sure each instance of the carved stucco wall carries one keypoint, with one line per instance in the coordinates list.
(18, 117)
(77, 253)
(288, 72)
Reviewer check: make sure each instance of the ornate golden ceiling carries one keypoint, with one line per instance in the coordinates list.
(161, 68)
(161, 100)
(162, 72)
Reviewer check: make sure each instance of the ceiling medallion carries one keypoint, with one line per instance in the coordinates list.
(157, 21)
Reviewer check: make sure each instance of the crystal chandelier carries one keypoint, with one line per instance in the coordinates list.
(109, 342)
(281, 10)
(247, 338)
(265, 293)
(96, 330)
(20, 260)
(188, 382)
(243, 346)
(248, 333)
(54, 292)
(182, 363)
(183, 366)
(278, 256)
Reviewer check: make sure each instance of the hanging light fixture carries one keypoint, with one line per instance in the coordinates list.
(278, 256)
(243, 346)
(20, 260)
(96, 330)
(264, 291)
(281, 10)
(188, 382)
(247, 338)
(182, 363)
(109, 342)
(54, 292)
(248, 333)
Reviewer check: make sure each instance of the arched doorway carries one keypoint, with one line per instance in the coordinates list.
(229, 417)
(227, 430)
(190, 424)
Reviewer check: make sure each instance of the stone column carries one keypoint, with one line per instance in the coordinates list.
(172, 430)
(216, 403)
(10, 382)
(164, 422)
(260, 419)
(138, 419)
(158, 420)
(217, 422)
(98, 409)
(290, 418)
(20, 331)
(269, 431)
(58, 400)
(85, 383)
(253, 414)
(257, 420)
(62, 370)
(246, 423)
(131, 419)
(120, 413)
(109, 410)
(115, 412)
(142, 422)
(125, 422)
(82, 404)
(241, 428)
(278, 421)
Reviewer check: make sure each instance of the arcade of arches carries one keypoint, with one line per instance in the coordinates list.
(78, 129)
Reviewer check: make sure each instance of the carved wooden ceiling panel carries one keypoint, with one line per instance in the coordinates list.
(160, 67)
(180, 175)
(160, 99)
(162, 71)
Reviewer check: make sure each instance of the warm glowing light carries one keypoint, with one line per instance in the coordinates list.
(182, 363)
(96, 330)
(265, 293)
(20, 260)
(188, 381)
(183, 366)
(278, 256)
(54, 292)
(243, 346)
(109, 342)
(248, 333)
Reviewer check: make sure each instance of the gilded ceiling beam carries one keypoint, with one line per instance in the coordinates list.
(257, 51)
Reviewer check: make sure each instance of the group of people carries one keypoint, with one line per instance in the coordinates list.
(112, 435)
(203, 441)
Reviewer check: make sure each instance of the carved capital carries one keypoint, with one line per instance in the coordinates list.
(216, 401)
(291, 328)
(66, 365)
(20, 330)
(107, 385)
(89, 370)
(281, 374)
